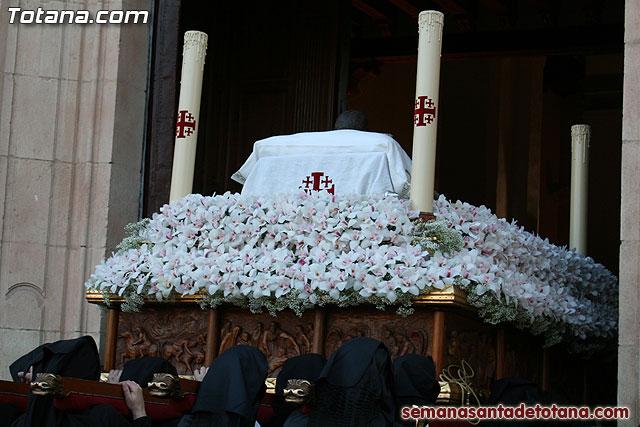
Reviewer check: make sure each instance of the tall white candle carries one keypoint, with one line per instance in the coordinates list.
(425, 123)
(184, 155)
(580, 139)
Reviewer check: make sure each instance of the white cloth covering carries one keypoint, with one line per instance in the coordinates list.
(354, 161)
(348, 173)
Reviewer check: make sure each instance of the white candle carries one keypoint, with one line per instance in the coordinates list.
(426, 110)
(580, 139)
(184, 155)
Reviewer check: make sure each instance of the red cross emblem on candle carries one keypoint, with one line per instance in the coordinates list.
(318, 181)
(424, 112)
(186, 124)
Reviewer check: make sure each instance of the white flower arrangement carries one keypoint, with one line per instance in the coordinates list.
(511, 274)
(299, 251)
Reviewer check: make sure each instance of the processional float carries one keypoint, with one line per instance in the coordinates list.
(445, 320)
(445, 323)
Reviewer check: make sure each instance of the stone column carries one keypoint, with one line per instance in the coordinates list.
(629, 333)
(580, 141)
(72, 110)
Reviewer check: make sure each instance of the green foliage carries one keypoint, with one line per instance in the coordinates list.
(132, 301)
(434, 236)
(494, 311)
(135, 236)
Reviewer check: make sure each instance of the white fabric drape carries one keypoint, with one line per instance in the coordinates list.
(355, 162)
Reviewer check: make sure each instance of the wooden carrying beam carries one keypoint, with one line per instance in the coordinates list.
(15, 394)
(72, 394)
(82, 394)
(75, 395)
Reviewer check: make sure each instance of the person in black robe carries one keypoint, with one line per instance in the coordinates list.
(514, 391)
(141, 370)
(305, 367)
(75, 358)
(416, 383)
(231, 390)
(9, 413)
(356, 387)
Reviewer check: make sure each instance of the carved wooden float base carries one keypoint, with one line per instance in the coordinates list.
(443, 326)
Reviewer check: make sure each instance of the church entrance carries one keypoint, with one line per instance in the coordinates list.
(515, 76)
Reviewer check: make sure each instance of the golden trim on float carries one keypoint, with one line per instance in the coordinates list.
(450, 295)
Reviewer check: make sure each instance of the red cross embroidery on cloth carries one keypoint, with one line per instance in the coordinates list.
(425, 111)
(186, 124)
(318, 181)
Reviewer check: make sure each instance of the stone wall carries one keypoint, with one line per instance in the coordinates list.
(72, 110)
(629, 341)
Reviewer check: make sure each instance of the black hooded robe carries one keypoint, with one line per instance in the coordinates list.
(75, 358)
(305, 367)
(231, 391)
(141, 370)
(416, 383)
(356, 387)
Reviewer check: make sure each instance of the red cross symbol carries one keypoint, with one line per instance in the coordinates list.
(425, 111)
(307, 182)
(186, 124)
(315, 182)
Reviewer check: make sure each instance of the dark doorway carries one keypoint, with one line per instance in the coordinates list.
(272, 67)
(516, 74)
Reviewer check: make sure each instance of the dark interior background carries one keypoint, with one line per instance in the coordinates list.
(516, 74)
